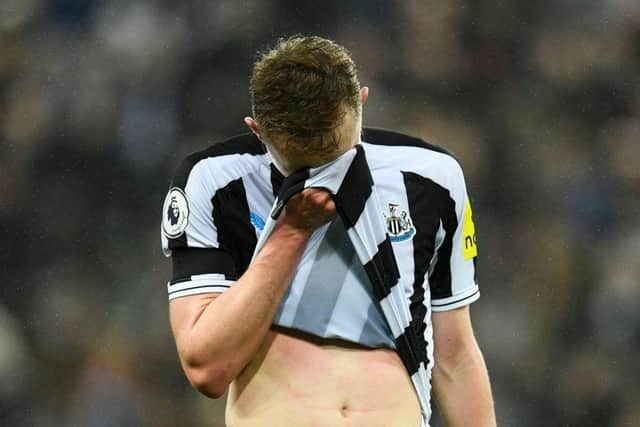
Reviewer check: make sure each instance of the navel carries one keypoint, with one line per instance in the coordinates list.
(344, 409)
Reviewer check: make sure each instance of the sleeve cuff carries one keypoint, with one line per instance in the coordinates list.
(456, 301)
(198, 284)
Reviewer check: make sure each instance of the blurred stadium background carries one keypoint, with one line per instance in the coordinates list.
(99, 100)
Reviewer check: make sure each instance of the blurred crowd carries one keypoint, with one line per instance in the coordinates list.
(99, 101)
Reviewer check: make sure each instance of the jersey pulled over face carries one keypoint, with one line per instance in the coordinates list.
(289, 155)
(220, 198)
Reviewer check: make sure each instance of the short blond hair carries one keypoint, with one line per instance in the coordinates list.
(300, 91)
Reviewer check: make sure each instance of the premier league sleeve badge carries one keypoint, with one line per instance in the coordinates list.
(175, 211)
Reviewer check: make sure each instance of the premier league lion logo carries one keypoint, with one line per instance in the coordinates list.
(176, 217)
(173, 213)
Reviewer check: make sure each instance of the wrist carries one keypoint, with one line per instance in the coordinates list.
(292, 232)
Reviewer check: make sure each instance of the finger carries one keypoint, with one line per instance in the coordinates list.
(322, 198)
(324, 192)
(330, 206)
(312, 193)
(312, 196)
(295, 199)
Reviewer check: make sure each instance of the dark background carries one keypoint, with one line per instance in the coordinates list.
(99, 101)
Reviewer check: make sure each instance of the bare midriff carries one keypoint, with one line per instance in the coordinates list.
(300, 380)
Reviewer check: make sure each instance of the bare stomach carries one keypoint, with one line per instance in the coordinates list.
(300, 380)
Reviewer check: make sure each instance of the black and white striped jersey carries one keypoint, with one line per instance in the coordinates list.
(221, 197)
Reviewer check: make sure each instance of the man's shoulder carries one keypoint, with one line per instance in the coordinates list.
(390, 138)
(389, 151)
(224, 156)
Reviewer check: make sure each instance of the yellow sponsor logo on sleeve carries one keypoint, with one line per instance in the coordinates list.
(469, 246)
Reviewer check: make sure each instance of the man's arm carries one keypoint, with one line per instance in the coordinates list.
(460, 379)
(217, 335)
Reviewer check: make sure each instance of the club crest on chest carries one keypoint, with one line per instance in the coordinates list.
(399, 224)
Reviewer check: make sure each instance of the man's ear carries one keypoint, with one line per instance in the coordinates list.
(364, 94)
(253, 125)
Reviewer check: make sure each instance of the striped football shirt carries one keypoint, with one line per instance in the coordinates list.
(220, 199)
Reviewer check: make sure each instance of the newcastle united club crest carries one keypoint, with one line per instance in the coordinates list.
(399, 224)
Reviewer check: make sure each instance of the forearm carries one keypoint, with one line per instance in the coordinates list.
(227, 332)
(462, 389)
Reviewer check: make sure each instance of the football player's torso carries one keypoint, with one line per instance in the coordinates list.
(297, 379)
(302, 379)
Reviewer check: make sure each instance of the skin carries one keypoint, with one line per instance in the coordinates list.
(459, 378)
(283, 377)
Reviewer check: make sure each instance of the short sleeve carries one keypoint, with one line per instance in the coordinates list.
(190, 236)
(452, 276)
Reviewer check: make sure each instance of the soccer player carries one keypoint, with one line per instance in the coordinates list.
(295, 335)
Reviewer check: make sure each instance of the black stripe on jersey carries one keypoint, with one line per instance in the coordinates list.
(440, 280)
(475, 269)
(422, 198)
(178, 242)
(177, 280)
(406, 346)
(430, 203)
(276, 180)
(386, 137)
(355, 190)
(291, 185)
(189, 262)
(382, 270)
(236, 235)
